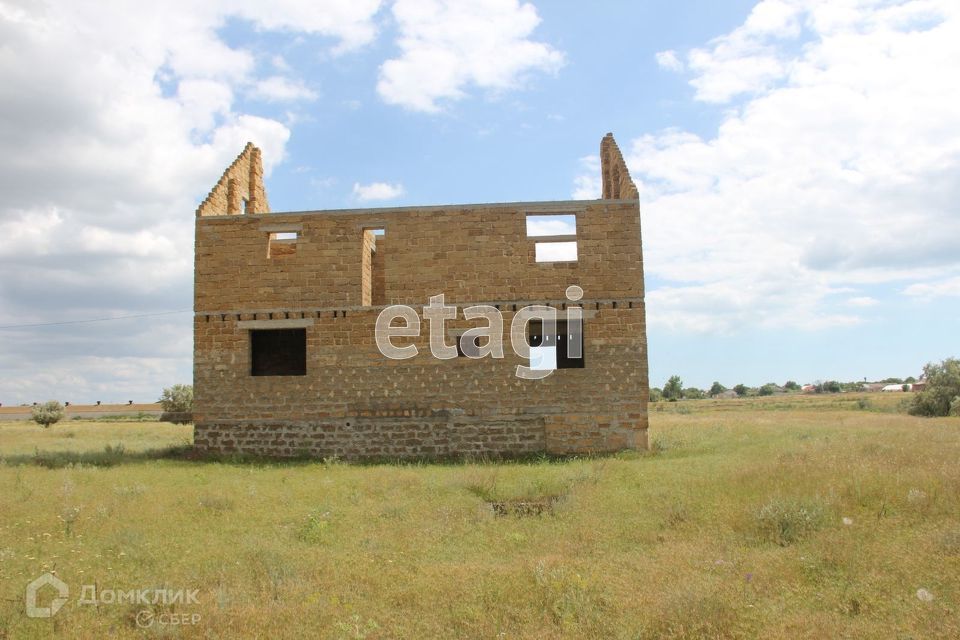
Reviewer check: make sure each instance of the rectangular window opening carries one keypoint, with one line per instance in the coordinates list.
(371, 268)
(282, 244)
(555, 251)
(541, 225)
(556, 350)
(278, 352)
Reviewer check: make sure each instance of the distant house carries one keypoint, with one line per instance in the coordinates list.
(808, 388)
(729, 393)
(918, 386)
(893, 387)
(873, 386)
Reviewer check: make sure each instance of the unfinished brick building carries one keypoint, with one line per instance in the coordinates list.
(285, 357)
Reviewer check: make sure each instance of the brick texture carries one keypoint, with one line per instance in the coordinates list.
(240, 188)
(354, 402)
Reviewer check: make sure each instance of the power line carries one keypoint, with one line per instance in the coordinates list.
(63, 322)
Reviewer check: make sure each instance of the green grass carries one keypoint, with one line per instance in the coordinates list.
(732, 526)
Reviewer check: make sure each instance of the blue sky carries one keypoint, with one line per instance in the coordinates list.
(797, 162)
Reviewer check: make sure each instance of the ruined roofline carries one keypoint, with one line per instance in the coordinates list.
(240, 188)
(617, 183)
(539, 206)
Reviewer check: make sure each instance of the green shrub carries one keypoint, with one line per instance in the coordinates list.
(316, 528)
(673, 390)
(48, 413)
(942, 394)
(178, 399)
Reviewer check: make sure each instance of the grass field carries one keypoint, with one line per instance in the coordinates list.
(775, 518)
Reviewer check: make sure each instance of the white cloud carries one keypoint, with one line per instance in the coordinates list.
(838, 168)
(115, 120)
(555, 251)
(726, 306)
(748, 58)
(588, 186)
(280, 89)
(937, 289)
(377, 191)
(668, 60)
(862, 301)
(350, 22)
(447, 46)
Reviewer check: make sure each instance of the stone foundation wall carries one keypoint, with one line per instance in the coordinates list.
(361, 438)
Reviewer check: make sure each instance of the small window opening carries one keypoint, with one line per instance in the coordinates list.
(551, 225)
(278, 352)
(555, 251)
(282, 245)
(372, 282)
(555, 350)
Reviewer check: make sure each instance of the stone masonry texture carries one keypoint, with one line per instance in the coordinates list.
(331, 276)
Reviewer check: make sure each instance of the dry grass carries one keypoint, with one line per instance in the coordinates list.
(733, 527)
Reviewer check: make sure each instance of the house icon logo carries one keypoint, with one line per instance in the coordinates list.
(33, 591)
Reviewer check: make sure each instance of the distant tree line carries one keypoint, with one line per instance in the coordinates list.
(940, 396)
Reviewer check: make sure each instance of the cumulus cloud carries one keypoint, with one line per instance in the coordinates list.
(834, 167)
(751, 57)
(447, 46)
(280, 89)
(936, 289)
(588, 186)
(668, 60)
(377, 191)
(115, 119)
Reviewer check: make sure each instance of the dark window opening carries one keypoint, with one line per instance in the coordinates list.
(553, 351)
(278, 352)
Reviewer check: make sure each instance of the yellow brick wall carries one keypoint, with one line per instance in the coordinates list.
(354, 402)
(471, 254)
